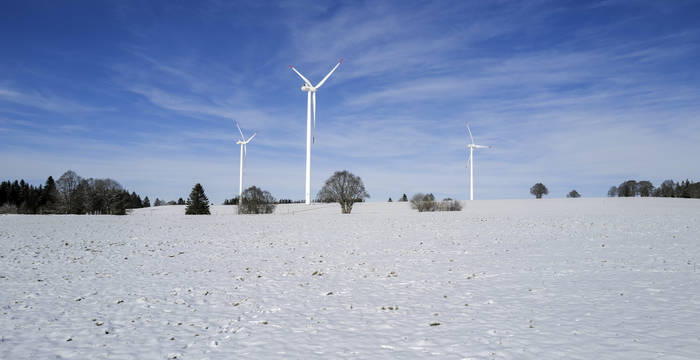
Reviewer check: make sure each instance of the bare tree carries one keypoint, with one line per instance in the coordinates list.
(613, 191)
(344, 188)
(66, 185)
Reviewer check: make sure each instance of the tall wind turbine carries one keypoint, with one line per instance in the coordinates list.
(311, 111)
(243, 143)
(470, 162)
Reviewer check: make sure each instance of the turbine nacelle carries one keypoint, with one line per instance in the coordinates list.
(478, 146)
(307, 88)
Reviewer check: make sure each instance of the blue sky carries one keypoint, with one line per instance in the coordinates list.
(577, 95)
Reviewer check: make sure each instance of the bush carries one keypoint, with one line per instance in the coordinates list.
(449, 205)
(256, 201)
(423, 202)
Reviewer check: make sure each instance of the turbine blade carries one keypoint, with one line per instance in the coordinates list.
(468, 161)
(470, 133)
(251, 138)
(239, 130)
(245, 152)
(329, 74)
(300, 75)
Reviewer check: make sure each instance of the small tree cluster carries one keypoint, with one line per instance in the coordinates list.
(344, 188)
(426, 202)
(290, 201)
(256, 201)
(232, 201)
(669, 188)
(197, 203)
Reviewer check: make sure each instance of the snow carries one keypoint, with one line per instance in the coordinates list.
(507, 279)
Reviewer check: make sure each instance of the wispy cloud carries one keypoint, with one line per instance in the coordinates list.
(45, 101)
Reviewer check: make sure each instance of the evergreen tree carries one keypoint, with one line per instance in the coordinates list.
(4, 192)
(389, 200)
(134, 201)
(197, 204)
(180, 201)
(22, 193)
(404, 198)
(146, 202)
(49, 197)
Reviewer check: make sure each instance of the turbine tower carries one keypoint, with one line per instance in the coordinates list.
(243, 143)
(311, 111)
(470, 162)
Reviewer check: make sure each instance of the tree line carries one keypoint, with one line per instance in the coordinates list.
(70, 194)
(669, 188)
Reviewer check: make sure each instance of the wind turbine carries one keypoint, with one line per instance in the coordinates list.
(243, 143)
(471, 147)
(311, 111)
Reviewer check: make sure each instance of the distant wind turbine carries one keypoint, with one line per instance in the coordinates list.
(243, 143)
(311, 111)
(471, 147)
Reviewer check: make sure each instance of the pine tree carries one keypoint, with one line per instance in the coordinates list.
(49, 197)
(4, 192)
(197, 204)
(404, 198)
(146, 202)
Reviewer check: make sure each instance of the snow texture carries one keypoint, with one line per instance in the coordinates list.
(506, 279)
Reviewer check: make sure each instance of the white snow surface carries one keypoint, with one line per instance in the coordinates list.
(505, 279)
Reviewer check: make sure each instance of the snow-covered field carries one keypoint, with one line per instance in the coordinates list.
(516, 279)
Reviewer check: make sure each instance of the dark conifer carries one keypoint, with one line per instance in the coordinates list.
(197, 204)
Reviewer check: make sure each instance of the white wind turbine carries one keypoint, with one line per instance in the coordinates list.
(311, 111)
(243, 143)
(471, 147)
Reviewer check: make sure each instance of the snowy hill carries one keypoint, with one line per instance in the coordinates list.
(521, 279)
